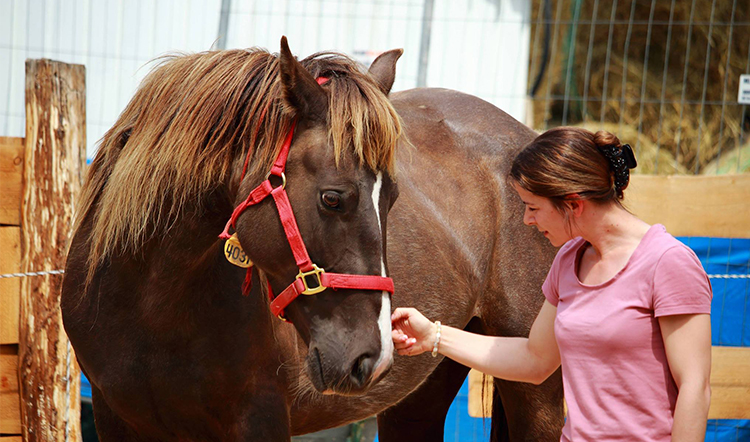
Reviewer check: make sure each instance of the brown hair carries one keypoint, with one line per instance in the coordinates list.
(569, 160)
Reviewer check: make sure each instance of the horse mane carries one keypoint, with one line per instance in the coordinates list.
(189, 126)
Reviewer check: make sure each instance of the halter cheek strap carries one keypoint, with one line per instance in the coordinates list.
(311, 278)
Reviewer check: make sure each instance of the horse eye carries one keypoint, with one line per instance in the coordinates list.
(331, 199)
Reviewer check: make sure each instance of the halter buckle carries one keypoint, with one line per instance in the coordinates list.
(283, 179)
(316, 271)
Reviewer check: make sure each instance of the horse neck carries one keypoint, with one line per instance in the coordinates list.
(189, 281)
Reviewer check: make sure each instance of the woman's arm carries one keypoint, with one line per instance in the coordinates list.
(530, 359)
(687, 340)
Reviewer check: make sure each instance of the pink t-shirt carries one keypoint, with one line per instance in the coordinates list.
(617, 382)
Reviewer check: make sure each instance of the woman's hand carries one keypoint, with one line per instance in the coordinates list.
(412, 332)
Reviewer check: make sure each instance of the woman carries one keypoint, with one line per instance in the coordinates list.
(627, 305)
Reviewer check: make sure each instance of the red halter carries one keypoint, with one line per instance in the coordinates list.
(301, 285)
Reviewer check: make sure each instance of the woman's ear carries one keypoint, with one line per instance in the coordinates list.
(575, 204)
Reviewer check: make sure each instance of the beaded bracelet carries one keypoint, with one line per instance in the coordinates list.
(437, 339)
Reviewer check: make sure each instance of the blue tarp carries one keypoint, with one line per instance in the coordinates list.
(730, 326)
(731, 303)
(85, 387)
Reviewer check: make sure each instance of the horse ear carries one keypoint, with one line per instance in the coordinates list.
(383, 69)
(301, 91)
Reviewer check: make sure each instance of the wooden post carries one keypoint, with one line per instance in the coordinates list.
(54, 161)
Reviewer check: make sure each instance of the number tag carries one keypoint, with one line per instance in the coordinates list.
(234, 253)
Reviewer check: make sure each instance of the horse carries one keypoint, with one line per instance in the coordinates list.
(307, 168)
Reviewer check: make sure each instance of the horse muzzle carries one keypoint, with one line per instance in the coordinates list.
(349, 363)
(332, 374)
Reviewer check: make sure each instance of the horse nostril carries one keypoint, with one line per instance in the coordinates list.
(320, 365)
(362, 370)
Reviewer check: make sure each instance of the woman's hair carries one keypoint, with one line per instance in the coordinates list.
(571, 160)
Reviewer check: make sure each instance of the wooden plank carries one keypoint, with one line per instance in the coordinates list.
(11, 176)
(10, 288)
(716, 206)
(730, 386)
(480, 405)
(54, 157)
(11, 439)
(10, 406)
(730, 383)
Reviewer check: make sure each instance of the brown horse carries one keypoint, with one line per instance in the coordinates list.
(157, 316)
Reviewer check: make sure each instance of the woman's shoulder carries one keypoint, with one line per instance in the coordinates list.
(659, 242)
(680, 284)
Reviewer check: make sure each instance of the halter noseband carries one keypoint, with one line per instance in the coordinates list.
(302, 285)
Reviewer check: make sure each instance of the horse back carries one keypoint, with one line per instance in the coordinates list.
(457, 204)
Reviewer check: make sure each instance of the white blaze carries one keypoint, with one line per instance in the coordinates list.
(384, 320)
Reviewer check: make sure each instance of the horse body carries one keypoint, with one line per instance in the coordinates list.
(174, 350)
(458, 252)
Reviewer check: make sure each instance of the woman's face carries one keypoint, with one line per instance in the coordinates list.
(542, 214)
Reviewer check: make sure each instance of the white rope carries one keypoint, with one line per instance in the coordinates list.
(60, 272)
(42, 273)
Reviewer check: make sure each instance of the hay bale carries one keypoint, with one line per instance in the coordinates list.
(736, 160)
(651, 159)
(662, 96)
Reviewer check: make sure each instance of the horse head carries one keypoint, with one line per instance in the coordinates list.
(338, 178)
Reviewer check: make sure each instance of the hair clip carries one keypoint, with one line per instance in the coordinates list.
(627, 154)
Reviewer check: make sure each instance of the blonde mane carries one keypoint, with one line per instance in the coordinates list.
(190, 125)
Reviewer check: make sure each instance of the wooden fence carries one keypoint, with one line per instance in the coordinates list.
(709, 206)
(40, 177)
